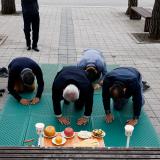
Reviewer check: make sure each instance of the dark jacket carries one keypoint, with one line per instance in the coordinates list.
(78, 77)
(15, 68)
(30, 6)
(132, 80)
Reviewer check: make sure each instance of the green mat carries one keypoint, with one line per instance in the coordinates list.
(17, 122)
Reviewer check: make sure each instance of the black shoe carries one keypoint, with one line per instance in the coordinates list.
(35, 49)
(144, 82)
(2, 90)
(3, 72)
(145, 87)
(4, 75)
(28, 48)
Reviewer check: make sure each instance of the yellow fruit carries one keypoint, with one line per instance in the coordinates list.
(58, 139)
(49, 131)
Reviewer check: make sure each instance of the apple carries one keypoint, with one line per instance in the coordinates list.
(68, 132)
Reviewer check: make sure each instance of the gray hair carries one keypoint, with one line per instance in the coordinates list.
(71, 93)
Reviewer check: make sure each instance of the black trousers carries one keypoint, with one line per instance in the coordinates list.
(31, 21)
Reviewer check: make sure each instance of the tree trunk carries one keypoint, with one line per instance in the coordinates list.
(154, 30)
(131, 3)
(8, 6)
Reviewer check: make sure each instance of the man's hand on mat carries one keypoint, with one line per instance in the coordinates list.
(109, 118)
(34, 100)
(25, 101)
(82, 121)
(132, 122)
(63, 120)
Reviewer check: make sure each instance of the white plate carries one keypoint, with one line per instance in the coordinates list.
(62, 133)
(103, 134)
(54, 141)
(48, 136)
(84, 134)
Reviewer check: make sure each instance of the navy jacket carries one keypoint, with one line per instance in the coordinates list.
(30, 6)
(15, 68)
(72, 75)
(132, 80)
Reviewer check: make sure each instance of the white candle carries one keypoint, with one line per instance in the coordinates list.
(39, 130)
(128, 132)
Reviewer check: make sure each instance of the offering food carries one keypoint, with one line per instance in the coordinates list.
(84, 134)
(87, 143)
(50, 131)
(68, 132)
(58, 139)
(99, 133)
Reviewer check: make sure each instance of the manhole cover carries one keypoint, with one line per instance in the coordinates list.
(2, 39)
(143, 38)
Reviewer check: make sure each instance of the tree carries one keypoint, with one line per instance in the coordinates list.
(130, 12)
(8, 6)
(154, 29)
(131, 3)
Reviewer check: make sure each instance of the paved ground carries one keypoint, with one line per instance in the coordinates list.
(70, 26)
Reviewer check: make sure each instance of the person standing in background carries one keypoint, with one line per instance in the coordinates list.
(30, 10)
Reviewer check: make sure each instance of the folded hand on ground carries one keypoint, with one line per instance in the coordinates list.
(132, 122)
(109, 118)
(82, 121)
(63, 120)
(34, 100)
(25, 101)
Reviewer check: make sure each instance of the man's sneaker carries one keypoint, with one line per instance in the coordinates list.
(3, 72)
(4, 75)
(144, 82)
(145, 87)
(35, 49)
(28, 48)
(2, 90)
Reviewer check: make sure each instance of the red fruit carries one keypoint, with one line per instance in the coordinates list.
(68, 132)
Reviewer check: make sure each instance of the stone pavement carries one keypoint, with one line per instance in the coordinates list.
(69, 27)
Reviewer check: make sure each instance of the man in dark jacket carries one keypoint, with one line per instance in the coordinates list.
(30, 10)
(121, 84)
(22, 71)
(72, 85)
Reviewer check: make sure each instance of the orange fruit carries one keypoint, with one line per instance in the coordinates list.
(58, 139)
(49, 131)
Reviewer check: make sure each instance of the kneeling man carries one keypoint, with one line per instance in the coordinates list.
(22, 73)
(71, 84)
(120, 84)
